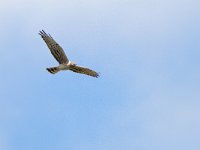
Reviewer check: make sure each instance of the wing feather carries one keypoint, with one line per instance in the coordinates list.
(55, 48)
(83, 70)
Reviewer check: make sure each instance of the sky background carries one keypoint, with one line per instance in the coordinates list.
(148, 93)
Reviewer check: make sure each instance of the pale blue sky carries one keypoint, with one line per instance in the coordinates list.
(148, 95)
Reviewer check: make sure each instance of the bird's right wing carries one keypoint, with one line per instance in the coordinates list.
(83, 70)
(55, 48)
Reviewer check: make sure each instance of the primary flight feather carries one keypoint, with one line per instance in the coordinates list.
(64, 62)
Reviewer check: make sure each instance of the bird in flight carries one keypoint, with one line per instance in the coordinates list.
(64, 62)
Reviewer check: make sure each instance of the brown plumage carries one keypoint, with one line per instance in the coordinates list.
(64, 63)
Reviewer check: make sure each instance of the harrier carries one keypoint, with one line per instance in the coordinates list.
(64, 62)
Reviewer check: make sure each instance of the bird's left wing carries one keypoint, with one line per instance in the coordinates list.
(83, 70)
(55, 48)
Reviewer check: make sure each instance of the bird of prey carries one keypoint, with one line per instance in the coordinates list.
(64, 62)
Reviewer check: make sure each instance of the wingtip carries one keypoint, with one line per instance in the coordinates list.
(42, 33)
(97, 75)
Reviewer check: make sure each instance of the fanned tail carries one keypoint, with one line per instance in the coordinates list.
(53, 70)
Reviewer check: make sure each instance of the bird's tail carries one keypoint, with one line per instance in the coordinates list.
(53, 70)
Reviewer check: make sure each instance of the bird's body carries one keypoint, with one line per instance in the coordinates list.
(65, 66)
(64, 62)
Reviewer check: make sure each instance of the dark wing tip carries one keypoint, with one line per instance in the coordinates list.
(42, 33)
(97, 75)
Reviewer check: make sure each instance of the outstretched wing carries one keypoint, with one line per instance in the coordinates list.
(55, 48)
(79, 69)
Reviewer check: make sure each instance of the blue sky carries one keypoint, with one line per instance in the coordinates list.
(148, 95)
